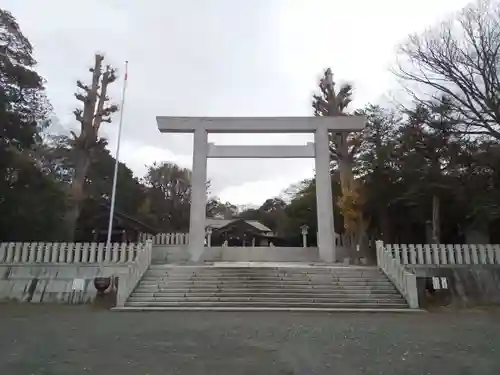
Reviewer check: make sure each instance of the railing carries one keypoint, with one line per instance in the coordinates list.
(439, 254)
(403, 280)
(128, 281)
(166, 238)
(183, 239)
(67, 252)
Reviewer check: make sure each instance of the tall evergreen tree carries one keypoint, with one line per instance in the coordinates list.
(30, 201)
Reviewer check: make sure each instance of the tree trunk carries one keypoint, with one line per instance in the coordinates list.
(436, 224)
(345, 162)
(76, 194)
(355, 233)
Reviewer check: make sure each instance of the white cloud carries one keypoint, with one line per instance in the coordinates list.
(265, 188)
(220, 58)
(139, 156)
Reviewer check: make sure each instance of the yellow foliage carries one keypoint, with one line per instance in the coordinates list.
(351, 206)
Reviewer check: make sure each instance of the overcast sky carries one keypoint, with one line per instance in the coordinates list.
(221, 58)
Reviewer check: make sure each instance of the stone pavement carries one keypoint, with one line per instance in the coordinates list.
(62, 340)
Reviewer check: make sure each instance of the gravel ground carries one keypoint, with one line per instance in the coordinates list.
(59, 340)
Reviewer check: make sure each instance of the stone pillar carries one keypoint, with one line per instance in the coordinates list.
(198, 195)
(326, 242)
(304, 230)
(209, 237)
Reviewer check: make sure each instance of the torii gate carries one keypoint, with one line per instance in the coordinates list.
(320, 151)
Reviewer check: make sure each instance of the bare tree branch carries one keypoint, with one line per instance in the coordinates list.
(459, 62)
(80, 85)
(78, 114)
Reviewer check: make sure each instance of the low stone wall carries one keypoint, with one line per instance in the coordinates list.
(170, 254)
(467, 285)
(269, 254)
(52, 283)
(180, 254)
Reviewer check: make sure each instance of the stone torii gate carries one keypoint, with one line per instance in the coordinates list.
(320, 151)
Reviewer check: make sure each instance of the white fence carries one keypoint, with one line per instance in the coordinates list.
(403, 280)
(445, 254)
(166, 238)
(183, 239)
(67, 252)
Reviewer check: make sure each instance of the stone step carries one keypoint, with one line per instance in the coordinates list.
(318, 269)
(270, 278)
(250, 282)
(290, 271)
(268, 265)
(267, 277)
(378, 309)
(264, 295)
(252, 271)
(281, 301)
(267, 286)
(205, 287)
(275, 291)
(291, 304)
(189, 269)
(273, 288)
(264, 278)
(261, 286)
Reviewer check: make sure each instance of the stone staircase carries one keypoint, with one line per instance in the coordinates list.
(308, 288)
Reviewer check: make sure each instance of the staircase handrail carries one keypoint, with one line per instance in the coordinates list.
(135, 270)
(404, 280)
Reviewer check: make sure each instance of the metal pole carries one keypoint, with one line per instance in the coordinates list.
(117, 162)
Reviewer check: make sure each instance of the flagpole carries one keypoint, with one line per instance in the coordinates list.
(117, 162)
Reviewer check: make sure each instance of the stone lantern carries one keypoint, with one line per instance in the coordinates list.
(304, 230)
(209, 236)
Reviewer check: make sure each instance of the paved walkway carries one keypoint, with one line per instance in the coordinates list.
(56, 340)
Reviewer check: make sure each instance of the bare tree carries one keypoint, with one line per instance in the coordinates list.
(96, 110)
(343, 148)
(457, 65)
(329, 102)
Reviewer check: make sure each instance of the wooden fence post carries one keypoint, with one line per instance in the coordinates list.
(427, 250)
(32, 252)
(100, 252)
(413, 254)
(404, 253)
(496, 249)
(475, 257)
(451, 254)
(443, 254)
(435, 254)
(3, 251)
(460, 253)
(420, 254)
(22, 254)
(482, 255)
(130, 257)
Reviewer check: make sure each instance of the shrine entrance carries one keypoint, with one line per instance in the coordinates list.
(319, 150)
